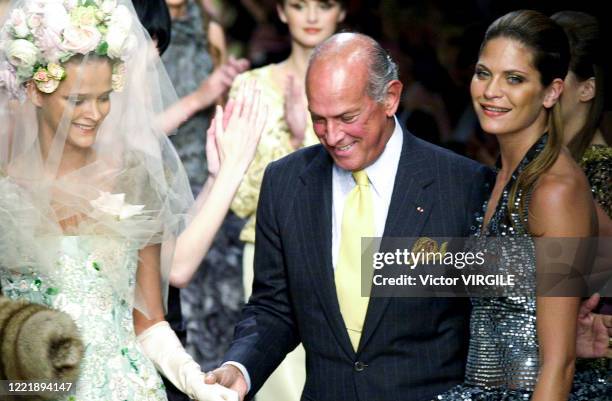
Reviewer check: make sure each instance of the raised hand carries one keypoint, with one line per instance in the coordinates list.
(236, 131)
(228, 376)
(221, 79)
(296, 114)
(593, 331)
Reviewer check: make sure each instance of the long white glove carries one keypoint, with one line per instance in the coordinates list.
(162, 346)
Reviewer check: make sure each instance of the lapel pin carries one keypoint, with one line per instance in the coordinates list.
(420, 209)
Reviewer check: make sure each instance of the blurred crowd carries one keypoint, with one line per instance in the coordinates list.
(435, 43)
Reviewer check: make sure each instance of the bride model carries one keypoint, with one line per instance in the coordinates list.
(92, 195)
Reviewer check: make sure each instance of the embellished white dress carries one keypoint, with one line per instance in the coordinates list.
(83, 283)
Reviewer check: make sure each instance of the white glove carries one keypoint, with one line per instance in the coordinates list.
(161, 345)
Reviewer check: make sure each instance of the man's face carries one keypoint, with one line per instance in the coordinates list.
(352, 126)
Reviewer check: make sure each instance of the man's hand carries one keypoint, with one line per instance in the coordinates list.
(228, 376)
(593, 331)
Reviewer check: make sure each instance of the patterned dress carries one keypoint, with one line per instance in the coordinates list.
(503, 356)
(84, 286)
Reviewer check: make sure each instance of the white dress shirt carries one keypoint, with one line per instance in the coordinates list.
(381, 175)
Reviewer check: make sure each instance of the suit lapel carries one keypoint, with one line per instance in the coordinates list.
(315, 217)
(410, 206)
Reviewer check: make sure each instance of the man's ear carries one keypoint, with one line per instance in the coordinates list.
(393, 97)
(34, 94)
(553, 93)
(588, 89)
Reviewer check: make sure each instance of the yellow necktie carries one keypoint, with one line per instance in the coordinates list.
(357, 222)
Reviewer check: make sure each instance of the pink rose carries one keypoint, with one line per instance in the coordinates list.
(80, 40)
(41, 75)
(34, 21)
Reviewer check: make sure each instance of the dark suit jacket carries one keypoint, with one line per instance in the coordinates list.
(411, 348)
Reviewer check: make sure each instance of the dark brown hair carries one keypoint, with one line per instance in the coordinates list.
(585, 49)
(550, 57)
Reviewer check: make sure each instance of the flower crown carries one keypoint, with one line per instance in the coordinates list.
(42, 35)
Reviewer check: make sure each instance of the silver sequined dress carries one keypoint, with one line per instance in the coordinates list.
(503, 362)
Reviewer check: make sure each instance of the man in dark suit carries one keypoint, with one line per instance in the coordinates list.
(408, 348)
(394, 348)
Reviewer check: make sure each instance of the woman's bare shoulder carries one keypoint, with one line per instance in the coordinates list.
(561, 202)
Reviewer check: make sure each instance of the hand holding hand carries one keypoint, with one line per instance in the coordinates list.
(228, 376)
(214, 392)
(296, 114)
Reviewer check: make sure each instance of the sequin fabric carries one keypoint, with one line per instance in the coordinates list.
(114, 367)
(597, 165)
(503, 361)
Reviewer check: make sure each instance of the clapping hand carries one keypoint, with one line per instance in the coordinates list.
(219, 82)
(296, 114)
(234, 133)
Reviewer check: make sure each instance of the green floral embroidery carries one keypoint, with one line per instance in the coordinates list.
(80, 286)
(52, 291)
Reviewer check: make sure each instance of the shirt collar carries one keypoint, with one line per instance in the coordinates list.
(385, 166)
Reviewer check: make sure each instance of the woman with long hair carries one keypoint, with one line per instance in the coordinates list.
(523, 347)
(582, 104)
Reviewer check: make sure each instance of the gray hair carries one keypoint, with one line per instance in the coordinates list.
(382, 70)
(381, 67)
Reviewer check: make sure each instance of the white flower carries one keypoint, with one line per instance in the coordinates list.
(120, 19)
(19, 23)
(56, 71)
(34, 21)
(22, 54)
(129, 46)
(114, 204)
(80, 40)
(70, 4)
(84, 16)
(118, 77)
(56, 17)
(108, 6)
(47, 86)
(115, 38)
